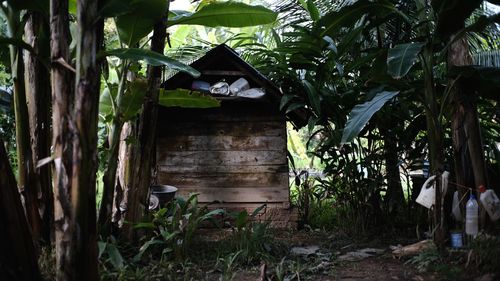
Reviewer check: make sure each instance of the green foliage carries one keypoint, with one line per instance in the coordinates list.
(486, 251)
(361, 114)
(31, 5)
(350, 14)
(227, 266)
(139, 22)
(186, 99)
(252, 239)
(151, 58)
(174, 227)
(109, 253)
(228, 14)
(426, 259)
(401, 58)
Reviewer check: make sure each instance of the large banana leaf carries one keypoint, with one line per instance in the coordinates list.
(451, 15)
(228, 14)
(401, 58)
(138, 23)
(130, 104)
(151, 58)
(133, 98)
(186, 99)
(113, 8)
(362, 113)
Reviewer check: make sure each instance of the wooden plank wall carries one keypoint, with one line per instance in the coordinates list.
(235, 154)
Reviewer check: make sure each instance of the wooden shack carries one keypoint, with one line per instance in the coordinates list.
(234, 156)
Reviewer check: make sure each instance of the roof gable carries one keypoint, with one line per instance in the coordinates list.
(223, 63)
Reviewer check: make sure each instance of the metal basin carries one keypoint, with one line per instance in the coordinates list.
(161, 195)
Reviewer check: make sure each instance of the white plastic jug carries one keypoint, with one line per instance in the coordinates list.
(427, 195)
(471, 216)
(491, 203)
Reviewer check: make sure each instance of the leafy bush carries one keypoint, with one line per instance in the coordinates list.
(425, 260)
(253, 239)
(486, 251)
(174, 227)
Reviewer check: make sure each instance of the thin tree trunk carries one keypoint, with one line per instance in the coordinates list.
(38, 98)
(62, 139)
(141, 160)
(18, 261)
(90, 32)
(121, 190)
(435, 137)
(394, 196)
(109, 180)
(28, 183)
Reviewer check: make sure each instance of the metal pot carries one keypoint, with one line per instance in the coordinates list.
(161, 195)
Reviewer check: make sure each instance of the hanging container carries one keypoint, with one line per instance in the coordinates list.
(471, 216)
(490, 202)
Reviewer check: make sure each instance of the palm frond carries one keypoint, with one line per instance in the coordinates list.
(487, 58)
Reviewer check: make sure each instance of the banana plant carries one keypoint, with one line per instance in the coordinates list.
(134, 20)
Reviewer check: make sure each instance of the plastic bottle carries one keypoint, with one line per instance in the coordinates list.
(471, 216)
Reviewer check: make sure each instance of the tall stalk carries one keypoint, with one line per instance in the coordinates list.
(28, 183)
(37, 82)
(62, 136)
(140, 161)
(435, 137)
(86, 110)
(109, 177)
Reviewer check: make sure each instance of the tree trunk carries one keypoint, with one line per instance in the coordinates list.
(86, 110)
(140, 162)
(435, 136)
(18, 261)
(109, 180)
(62, 139)
(28, 183)
(394, 196)
(470, 164)
(38, 97)
(120, 197)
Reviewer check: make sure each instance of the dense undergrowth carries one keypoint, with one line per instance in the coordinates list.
(177, 245)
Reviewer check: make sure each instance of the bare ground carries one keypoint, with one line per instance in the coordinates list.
(380, 267)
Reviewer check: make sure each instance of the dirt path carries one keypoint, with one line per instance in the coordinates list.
(378, 269)
(382, 268)
(325, 265)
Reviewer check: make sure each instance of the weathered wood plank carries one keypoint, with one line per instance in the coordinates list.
(245, 194)
(221, 143)
(211, 158)
(223, 128)
(229, 111)
(162, 168)
(235, 180)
